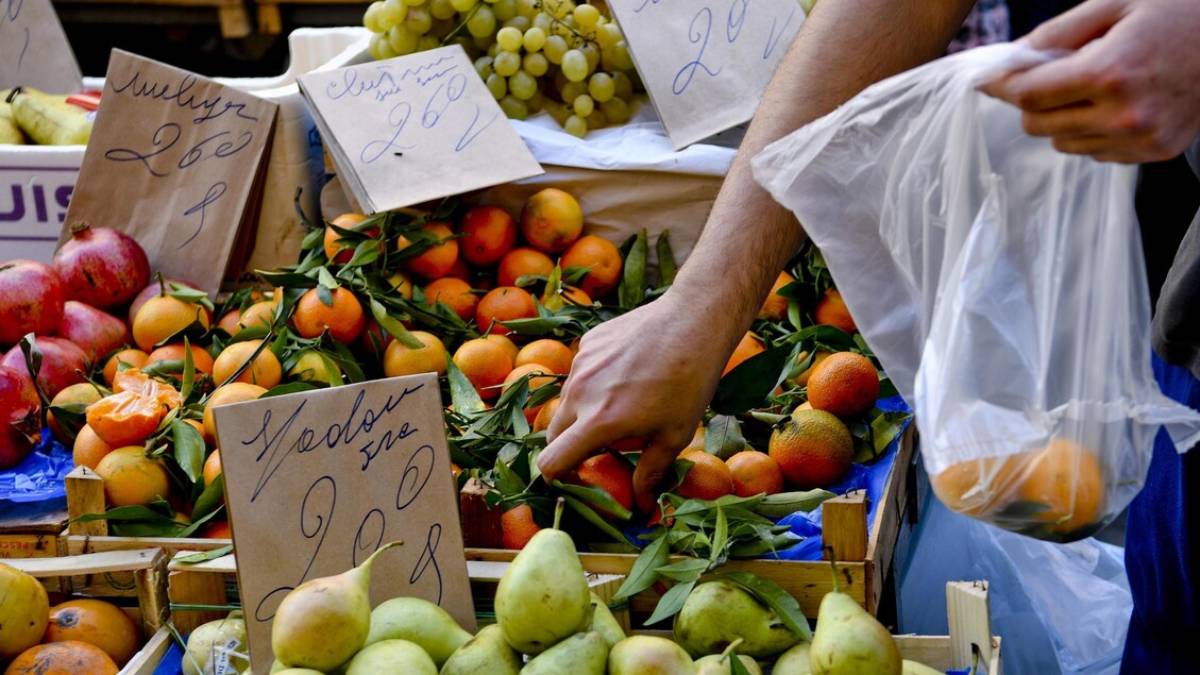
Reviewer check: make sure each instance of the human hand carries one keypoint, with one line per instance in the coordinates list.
(1130, 92)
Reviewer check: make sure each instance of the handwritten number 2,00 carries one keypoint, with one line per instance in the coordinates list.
(700, 30)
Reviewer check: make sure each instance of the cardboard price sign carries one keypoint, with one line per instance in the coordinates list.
(706, 64)
(175, 161)
(34, 51)
(415, 128)
(317, 481)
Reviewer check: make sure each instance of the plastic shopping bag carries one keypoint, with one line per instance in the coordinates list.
(1000, 283)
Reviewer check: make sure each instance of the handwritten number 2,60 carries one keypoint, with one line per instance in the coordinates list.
(700, 36)
(160, 138)
(318, 525)
(397, 118)
(454, 90)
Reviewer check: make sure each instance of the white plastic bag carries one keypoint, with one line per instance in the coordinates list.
(1001, 284)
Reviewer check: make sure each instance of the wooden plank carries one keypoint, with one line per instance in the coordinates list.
(480, 523)
(123, 583)
(19, 520)
(195, 587)
(151, 585)
(146, 660)
(94, 563)
(234, 21)
(970, 621)
(885, 531)
(85, 495)
(270, 21)
(844, 526)
(28, 546)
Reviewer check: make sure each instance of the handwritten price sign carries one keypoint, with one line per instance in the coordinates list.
(317, 481)
(34, 51)
(706, 63)
(173, 161)
(415, 128)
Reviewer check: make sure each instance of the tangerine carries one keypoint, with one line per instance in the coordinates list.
(89, 448)
(438, 260)
(488, 234)
(455, 294)
(400, 360)
(602, 261)
(229, 321)
(504, 341)
(402, 285)
(217, 529)
(125, 418)
(974, 487)
(62, 658)
(754, 473)
(96, 622)
(311, 366)
(523, 262)
(212, 467)
(202, 361)
(265, 370)
(749, 346)
(133, 358)
(335, 251)
(259, 315)
(542, 421)
(486, 364)
(709, 477)
(131, 478)
(831, 310)
(1068, 479)
(813, 448)
(552, 220)
(234, 392)
(343, 317)
(79, 394)
(505, 303)
(845, 384)
(517, 527)
(801, 380)
(164, 316)
(775, 307)
(551, 353)
(611, 474)
(576, 296)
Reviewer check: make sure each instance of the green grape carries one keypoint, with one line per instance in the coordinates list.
(534, 39)
(380, 48)
(371, 18)
(463, 6)
(483, 66)
(543, 21)
(535, 64)
(509, 39)
(427, 42)
(482, 23)
(616, 110)
(506, 63)
(519, 22)
(497, 85)
(536, 102)
(621, 58)
(504, 9)
(442, 28)
(403, 40)
(418, 20)
(583, 105)
(527, 8)
(576, 126)
(441, 9)
(414, 3)
(558, 111)
(597, 120)
(522, 85)
(514, 108)
(559, 9)
(394, 11)
(571, 91)
(587, 17)
(575, 65)
(592, 55)
(601, 87)
(486, 43)
(555, 49)
(609, 35)
(623, 86)
(563, 29)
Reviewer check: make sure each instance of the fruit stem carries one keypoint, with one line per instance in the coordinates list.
(837, 588)
(558, 511)
(732, 646)
(371, 560)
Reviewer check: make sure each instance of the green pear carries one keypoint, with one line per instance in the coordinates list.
(298, 671)
(205, 638)
(488, 653)
(604, 623)
(718, 612)
(391, 656)
(420, 621)
(580, 654)
(914, 668)
(324, 622)
(718, 664)
(794, 661)
(849, 641)
(543, 596)
(648, 655)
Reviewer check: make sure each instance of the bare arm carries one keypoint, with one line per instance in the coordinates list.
(652, 372)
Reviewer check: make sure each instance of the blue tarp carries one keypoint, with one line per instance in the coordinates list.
(39, 477)
(172, 661)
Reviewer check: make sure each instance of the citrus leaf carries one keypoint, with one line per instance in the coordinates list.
(596, 498)
(211, 499)
(189, 371)
(189, 449)
(735, 664)
(312, 240)
(632, 291)
(588, 514)
(688, 569)
(463, 395)
(204, 556)
(748, 385)
(289, 388)
(671, 602)
(643, 574)
(720, 538)
(507, 480)
(667, 267)
(394, 327)
(197, 523)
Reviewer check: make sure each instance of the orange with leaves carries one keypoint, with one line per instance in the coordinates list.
(89, 448)
(611, 474)
(131, 478)
(775, 307)
(488, 234)
(551, 353)
(754, 473)
(813, 448)
(455, 294)
(505, 303)
(259, 315)
(264, 369)
(552, 220)
(845, 384)
(523, 262)
(132, 358)
(831, 311)
(343, 317)
(335, 250)
(602, 261)
(517, 527)
(485, 364)
(234, 392)
(709, 477)
(437, 260)
(163, 316)
(401, 360)
(202, 361)
(749, 346)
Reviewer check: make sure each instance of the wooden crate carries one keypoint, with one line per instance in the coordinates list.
(863, 550)
(970, 622)
(31, 533)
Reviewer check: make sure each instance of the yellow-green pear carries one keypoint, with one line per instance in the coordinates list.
(580, 654)
(649, 655)
(543, 596)
(391, 656)
(794, 661)
(205, 638)
(420, 621)
(849, 641)
(718, 612)
(604, 623)
(914, 668)
(488, 653)
(324, 622)
(718, 664)
(297, 671)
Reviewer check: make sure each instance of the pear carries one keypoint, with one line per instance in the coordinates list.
(580, 654)
(718, 664)
(794, 661)
(718, 612)
(604, 623)
(420, 621)
(848, 641)
(205, 638)
(391, 656)
(324, 622)
(298, 671)
(488, 653)
(913, 668)
(648, 655)
(543, 596)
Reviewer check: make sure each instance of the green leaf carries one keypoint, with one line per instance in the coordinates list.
(735, 664)
(644, 573)
(537, 326)
(667, 267)
(632, 291)
(671, 602)
(325, 279)
(197, 523)
(720, 537)
(211, 499)
(289, 388)
(189, 295)
(770, 594)
(394, 327)
(189, 449)
(723, 436)
(507, 480)
(311, 240)
(204, 556)
(598, 522)
(189, 370)
(365, 253)
(688, 569)
(146, 529)
(463, 395)
(127, 514)
(748, 385)
(596, 498)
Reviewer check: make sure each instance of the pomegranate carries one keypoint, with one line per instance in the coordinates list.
(101, 266)
(31, 300)
(18, 417)
(149, 292)
(95, 331)
(63, 364)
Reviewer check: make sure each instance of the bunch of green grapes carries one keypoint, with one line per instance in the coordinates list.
(566, 58)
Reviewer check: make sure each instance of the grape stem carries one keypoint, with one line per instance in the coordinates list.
(559, 22)
(460, 26)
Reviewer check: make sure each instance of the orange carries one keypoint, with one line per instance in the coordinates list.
(503, 341)
(1066, 478)
(845, 384)
(976, 487)
(542, 421)
(62, 658)
(217, 529)
(488, 233)
(164, 316)
(523, 262)
(80, 393)
(551, 353)
(234, 392)
(132, 478)
(748, 346)
(611, 474)
(97, 623)
(801, 380)
(265, 370)
(455, 294)
(400, 360)
(517, 527)
(831, 311)
(343, 318)
(485, 364)
(201, 360)
(335, 251)
(552, 220)
(576, 296)
(402, 285)
(125, 418)
(438, 260)
(89, 448)
(602, 261)
(540, 376)
(212, 467)
(775, 307)
(258, 315)
(134, 381)
(708, 478)
(134, 358)
(460, 270)
(754, 473)
(813, 448)
(229, 321)
(505, 303)
(197, 425)
(311, 367)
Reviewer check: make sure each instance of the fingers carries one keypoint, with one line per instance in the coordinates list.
(1066, 81)
(652, 467)
(1077, 27)
(1068, 122)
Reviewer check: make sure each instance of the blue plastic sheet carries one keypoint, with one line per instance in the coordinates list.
(39, 477)
(172, 661)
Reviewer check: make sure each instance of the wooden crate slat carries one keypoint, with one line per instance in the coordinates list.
(94, 563)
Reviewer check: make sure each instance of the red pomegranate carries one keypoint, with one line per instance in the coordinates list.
(149, 292)
(95, 331)
(18, 417)
(63, 363)
(31, 300)
(101, 266)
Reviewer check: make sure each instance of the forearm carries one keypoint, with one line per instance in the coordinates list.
(845, 46)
